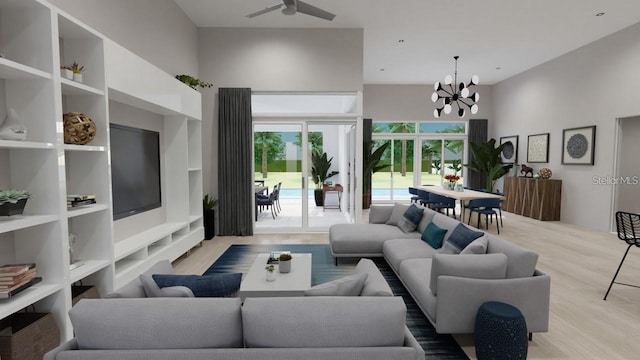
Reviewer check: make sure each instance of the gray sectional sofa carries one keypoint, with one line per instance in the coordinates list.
(450, 288)
(314, 328)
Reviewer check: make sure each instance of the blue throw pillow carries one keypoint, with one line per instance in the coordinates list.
(214, 285)
(459, 239)
(434, 235)
(410, 219)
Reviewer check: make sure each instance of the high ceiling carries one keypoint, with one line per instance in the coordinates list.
(414, 41)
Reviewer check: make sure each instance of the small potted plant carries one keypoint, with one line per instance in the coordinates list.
(193, 82)
(12, 202)
(271, 274)
(77, 71)
(66, 72)
(284, 263)
(209, 213)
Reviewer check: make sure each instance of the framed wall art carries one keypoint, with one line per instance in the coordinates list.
(578, 146)
(538, 148)
(509, 154)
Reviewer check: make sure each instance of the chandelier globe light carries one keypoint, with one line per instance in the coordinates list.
(454, 93)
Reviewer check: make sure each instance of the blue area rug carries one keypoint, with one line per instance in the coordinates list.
(239, 258)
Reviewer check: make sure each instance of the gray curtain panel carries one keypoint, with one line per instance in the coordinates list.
(477, 135)
(235, 194)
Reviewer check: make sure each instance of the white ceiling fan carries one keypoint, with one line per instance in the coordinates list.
(291, 7)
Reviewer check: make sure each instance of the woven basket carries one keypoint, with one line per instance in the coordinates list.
(80, 292)
(28, 336)
(79, 129)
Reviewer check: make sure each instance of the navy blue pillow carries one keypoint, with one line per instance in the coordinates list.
(410, 219)
(433, 235)
(459, 239)
(214, 285)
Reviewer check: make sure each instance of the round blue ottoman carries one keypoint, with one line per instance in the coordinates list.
(500, 332)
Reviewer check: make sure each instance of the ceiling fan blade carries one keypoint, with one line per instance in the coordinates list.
(264, 11)
(314, 11)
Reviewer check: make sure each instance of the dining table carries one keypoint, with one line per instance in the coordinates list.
(462, 196)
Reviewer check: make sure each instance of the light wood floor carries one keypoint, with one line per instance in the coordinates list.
(581, 264)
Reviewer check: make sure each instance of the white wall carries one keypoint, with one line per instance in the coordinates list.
(272, 60)
(592, 85)
(156, 30)
(629, 166)
(413, 103)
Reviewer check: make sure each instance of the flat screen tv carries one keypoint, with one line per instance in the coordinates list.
(135, 170)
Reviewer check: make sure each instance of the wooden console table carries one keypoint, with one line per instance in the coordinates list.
(337, 188)
(535, 198)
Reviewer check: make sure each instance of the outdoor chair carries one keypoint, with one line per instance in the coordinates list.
(486, 207)
(277, 199)
(628, 227)
(268, 202)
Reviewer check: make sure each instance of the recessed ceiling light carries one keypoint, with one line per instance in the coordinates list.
(401, 41)
(600, 14)
(381, 69)
(498, 67)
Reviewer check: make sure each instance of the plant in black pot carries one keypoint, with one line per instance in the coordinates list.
(320, 165)
(371, 163)
(488, 163)
(209, 213)
(12, 202)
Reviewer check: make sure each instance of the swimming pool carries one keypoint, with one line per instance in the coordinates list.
(375, 193)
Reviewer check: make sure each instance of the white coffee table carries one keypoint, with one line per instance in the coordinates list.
(294, 283)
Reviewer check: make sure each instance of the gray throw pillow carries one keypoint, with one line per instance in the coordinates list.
(396, 214)
(459, 239)
(152, 289)
(477, 246)
(347, 286)
(410, 219)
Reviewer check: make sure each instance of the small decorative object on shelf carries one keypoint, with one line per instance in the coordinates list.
(527, 171)
(11, 128)
(79, 129)
(77, 71)
(28, 335)
(66, 72)
(12, 202)
(544, 173)
(452, 179)
(284, 263)
(80, 200)
(271, 274)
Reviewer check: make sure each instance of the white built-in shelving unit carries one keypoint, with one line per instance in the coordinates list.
(35, 40)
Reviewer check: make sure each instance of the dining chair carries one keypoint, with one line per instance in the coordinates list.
(628, 228)
(278, 197)
(268, 202)
(424, 198)
(486, 207)
(413, 191)
(439, 202)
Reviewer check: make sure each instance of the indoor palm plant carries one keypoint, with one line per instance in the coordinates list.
(12, 202)
(208, 208)
(487, 162)
(320, 165)
(371, 163)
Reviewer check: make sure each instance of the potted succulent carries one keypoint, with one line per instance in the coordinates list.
(284, 263)
(320, 173)
(12, 202)
(77, 71)
(271, 275)
(66, 72)
(193, 82)
(209, 214)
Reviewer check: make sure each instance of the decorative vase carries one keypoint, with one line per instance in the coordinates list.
(8, 209)
(11, 128)
(79, 129)
(545, 173)
(459, 187)
(284, 266)
(271, 275)
(77, 77)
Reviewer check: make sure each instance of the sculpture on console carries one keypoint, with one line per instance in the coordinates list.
(527, 171)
